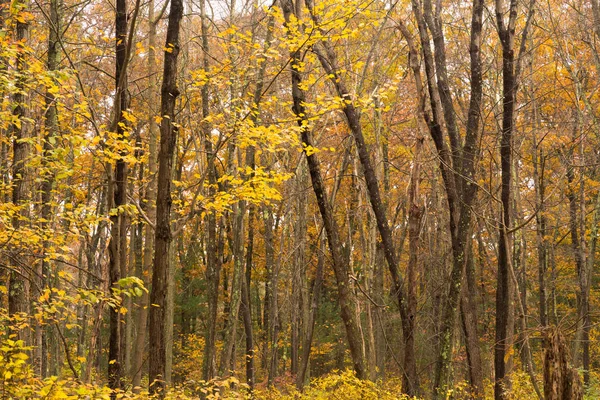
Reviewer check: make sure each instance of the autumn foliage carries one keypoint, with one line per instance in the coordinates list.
(299, 199)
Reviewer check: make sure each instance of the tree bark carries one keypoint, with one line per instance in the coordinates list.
(118, 197)
(18, 283)
(327, 58)
(236, 291)
(213, 261)
(581, 266)
(457, 166)
(315, 300)
(50, 134)
(150, 197)
(468, 309)
(246, 302)
(163, 234)
(340, 264)
(502, 358)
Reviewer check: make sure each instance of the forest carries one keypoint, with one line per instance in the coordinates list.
(299, 199)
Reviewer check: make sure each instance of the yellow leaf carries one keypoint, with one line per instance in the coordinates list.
(509, 354)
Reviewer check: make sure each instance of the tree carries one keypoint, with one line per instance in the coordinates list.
(339, 263)
(163, 236)
(457, 164)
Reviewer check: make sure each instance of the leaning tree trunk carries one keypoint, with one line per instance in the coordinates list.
(340, 265)
(327, 58)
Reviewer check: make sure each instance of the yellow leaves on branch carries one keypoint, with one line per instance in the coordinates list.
(257, 186)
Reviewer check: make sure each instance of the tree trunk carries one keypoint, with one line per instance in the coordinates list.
(581, 265)
(246, 303)
(510, 77)
(340, 264)
(142, 317)
(18, 287)
(457, 165)
(314, 306)
(236, 290)
(271, 345)
(541, 223)
(117, 198)
(468, 309)
(51, 131)
(504, 289)
(328, 61)
(163, 235)
(213, 262)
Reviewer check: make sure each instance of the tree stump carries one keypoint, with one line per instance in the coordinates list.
(561, 380)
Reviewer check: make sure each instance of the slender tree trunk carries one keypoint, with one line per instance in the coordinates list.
(328, 60)
(314, 306)
(246, 302)
(51, 131)
(250, 162)
(18, 283)
(271, 345)
(468, 309)
(142, 317)
(117, 198)
(163, 236)
(213, 262)
(581, 265)
(541, 222)
(415, 213)
(340, 264)
(298, 272)
(457, 165)
(504, 288)
(236, 290)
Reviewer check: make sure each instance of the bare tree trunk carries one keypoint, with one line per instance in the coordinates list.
(142, 317)
(581, 265)
(415, 212)
(246, 301)
(51, 131)
(236, 290)
(468, 309)
(298, 272)
(541, 223)
(18, 289)
(511, 64)
(314, 306)
(163, 236)
(504, 288)
(250, 161)
(213, 261)
(118, 197)
(271, 345)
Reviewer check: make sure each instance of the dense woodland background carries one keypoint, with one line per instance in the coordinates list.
(204, 198)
